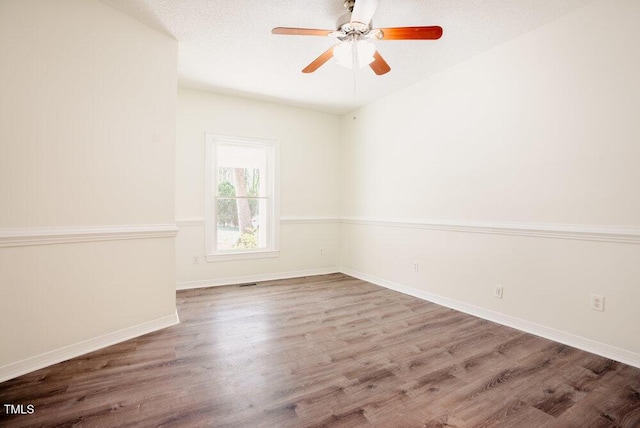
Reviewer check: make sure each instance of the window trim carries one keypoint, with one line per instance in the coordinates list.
(211, 185)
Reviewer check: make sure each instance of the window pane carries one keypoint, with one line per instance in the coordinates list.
(241, 170)
(240, 182)
(242, 223)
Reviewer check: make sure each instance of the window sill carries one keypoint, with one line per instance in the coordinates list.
(223, 257)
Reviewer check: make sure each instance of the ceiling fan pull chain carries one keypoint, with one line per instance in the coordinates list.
(354, 53)
(354, 58)
(354, 89)
(355, 70)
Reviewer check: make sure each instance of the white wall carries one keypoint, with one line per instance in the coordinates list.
(309, 183)
(541, 130)
(87, 140)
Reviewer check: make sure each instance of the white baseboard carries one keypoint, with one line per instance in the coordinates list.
(187, 285)
(598, 348)
(37, 362)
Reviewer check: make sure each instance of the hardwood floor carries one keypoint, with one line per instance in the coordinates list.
(328, 351)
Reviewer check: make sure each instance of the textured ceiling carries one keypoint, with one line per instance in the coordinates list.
(227, 46)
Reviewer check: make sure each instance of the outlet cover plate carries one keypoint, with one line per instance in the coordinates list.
(597, 302)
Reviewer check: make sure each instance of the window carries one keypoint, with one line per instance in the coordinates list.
(241, 203)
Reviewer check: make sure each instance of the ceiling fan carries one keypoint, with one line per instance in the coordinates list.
(355, 33)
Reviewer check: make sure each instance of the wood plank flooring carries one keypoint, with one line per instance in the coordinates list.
(328, 351)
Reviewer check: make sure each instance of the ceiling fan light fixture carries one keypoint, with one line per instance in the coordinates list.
(364, 51)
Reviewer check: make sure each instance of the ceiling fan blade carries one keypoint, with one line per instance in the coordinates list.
(316, 63)
(288, 31)
(363, 11)
(379, 65)
(411, 33)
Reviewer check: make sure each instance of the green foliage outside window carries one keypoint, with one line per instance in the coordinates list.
(227, 209)
(249, 239)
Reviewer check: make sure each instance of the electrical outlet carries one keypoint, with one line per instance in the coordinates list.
(196, 260)
(321, 251)
(416, 266)
(597, 302)
(497, 292)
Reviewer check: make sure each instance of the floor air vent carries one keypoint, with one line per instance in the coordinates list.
(248, 284)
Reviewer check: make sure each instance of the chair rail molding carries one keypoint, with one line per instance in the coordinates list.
(628, 235)
(619, 234)
(199, 221)
(65, 235)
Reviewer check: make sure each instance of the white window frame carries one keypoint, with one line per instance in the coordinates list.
(211, 186)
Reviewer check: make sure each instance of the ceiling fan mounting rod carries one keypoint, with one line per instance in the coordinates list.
(348, 4)
(346, 26)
